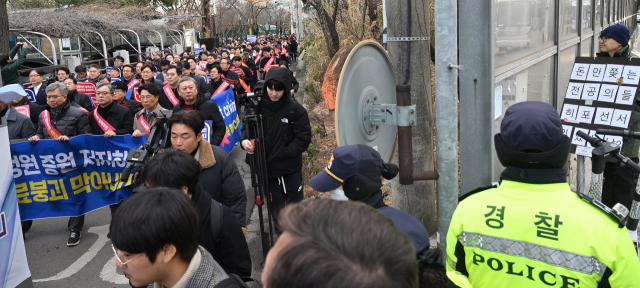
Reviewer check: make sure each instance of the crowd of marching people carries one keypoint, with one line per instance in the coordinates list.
(185, 225)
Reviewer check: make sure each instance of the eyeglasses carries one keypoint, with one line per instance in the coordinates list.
(604, 38)
(124, 264)
(118, 61)
(147, 72)
(102, 93)
(53, 97)
(34, 76)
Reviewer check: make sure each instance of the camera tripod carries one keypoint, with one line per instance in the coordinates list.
(259, 178)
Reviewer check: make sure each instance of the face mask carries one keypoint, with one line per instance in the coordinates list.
(337, 194)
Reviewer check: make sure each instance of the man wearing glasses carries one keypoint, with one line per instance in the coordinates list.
(61, 120)
(35, 78)
(164, 65)
(109, 118)
(119, 62)
(155, 241)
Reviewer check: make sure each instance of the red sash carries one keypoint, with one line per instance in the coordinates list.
(246, 87)
(266, 68)
(232, 82)
(222, 87)
(133, 83)
(165, 81)
(172, 97)
(46, 118)
(238, 71)
(24, 109)
(145, 125)
(104, 125)
(270, 61)
(85, 110)
(245, 65)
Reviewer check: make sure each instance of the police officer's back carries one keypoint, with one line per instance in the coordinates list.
(533, 231)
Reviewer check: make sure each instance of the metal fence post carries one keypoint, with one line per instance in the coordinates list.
(446, 60)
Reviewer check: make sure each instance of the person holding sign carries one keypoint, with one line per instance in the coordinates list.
(9, 68)
(32, 109)
(619, 182)
(60, 120)
(109, 118)
(193, 100)
(230, 76)
(535, 209)
(144, 120)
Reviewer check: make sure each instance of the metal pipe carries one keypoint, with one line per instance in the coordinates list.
(138, 37)
(125, 39)
(34, 47)
(98, 51)
(53, 47)
(179, 37)
(161, 42)
(405, 142)
(154, 45)
(580, 174)
(104, 48)
(426, 175)
(446, 78)
(174, 38)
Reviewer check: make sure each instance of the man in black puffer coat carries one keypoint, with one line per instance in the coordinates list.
(287, 134)
(65, 121)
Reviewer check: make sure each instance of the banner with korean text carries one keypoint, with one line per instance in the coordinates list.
(227, 105)
(70, 178)
(13, 263)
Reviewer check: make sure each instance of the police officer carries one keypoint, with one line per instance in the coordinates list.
(533, 231)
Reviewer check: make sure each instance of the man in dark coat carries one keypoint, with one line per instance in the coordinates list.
(66, 121)
(230, 76)
(81, 99)
(119, 92)
(287, 135)
(219, 176)
(118, 117)
(230, 247)
(192, 100)
(173, 76)
(20, 126)
(185, 67)
(216, 81)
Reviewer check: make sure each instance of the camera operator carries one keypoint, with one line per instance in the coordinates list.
(533, 223)
(175, 169)
(287, 134)
(219, 175)
(192, 99)
(9, 68)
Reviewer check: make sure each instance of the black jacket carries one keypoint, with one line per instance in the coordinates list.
(164, 101)
(34, 110)
(230, 75)
(201, 84)
(294, 82)
(119, 117)
(214, 85)
(284, 141)
(209, 111)
(81, 99)
(41, 97)
(132, 105)
(71, 122)
(220, 178)
(232, 253)
(20, 126)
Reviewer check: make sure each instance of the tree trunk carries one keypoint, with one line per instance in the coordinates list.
(206, 20)
(4, 27)
(328, 26)
(417, 199)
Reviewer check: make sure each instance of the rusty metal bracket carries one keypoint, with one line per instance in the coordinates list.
(391, 114)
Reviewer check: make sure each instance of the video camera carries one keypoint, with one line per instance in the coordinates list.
(252, 100)
(158, 140)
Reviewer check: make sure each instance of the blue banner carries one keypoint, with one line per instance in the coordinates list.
(116, 79)
(198, 50)
(70, 178)
(251, 38)
(206, 131)
(227, 105)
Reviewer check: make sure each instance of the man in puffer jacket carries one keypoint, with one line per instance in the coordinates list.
(61, 121)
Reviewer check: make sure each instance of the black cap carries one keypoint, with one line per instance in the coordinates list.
(119, 85)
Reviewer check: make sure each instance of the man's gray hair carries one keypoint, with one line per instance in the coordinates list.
(187, 78)
(57, 85)
(100, 85)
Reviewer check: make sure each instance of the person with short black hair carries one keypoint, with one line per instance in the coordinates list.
(287, 134)
(119, 120)
(128, 74)
(81, 73)
(118, 62)
(35, 78)
(104, 79)
(169, 96)
(229, 76)
(176, 169)
(164, 65)
(94, 73)
(216, 84)
(73, 95)
(339, 244)
(267, 59)
(146, 118)
(9, 68)
(155, 241)
(62, 74)
(219, 175)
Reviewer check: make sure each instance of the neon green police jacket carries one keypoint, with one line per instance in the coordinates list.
(537, 235)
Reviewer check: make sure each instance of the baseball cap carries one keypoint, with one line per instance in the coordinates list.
(359, 161)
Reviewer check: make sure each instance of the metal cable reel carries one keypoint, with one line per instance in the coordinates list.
(360, 85)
